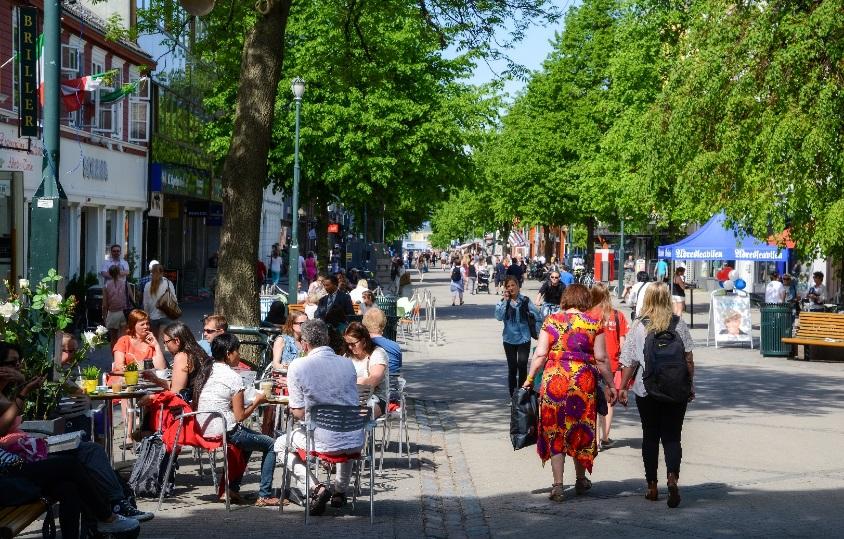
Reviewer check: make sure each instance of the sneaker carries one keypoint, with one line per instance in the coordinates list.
(120, 524)
(125, 509)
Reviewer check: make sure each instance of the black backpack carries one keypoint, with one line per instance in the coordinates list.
(148, 472)
(666, 376)
(455, 274)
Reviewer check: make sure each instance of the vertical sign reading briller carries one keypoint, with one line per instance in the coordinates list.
(28, 50)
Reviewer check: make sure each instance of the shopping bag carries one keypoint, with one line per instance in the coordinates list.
(523, 413)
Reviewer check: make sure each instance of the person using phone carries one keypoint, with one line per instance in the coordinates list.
(512, 310)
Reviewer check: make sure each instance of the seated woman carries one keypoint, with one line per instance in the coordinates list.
(288, 346)
(367, 301)
(138, 346)
(370, 363)
(90, 455)
(188, 357)
(218, 388)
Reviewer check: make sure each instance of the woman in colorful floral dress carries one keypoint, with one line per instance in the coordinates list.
(571, 348)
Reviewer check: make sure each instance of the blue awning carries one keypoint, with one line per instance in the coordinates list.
(715, 242)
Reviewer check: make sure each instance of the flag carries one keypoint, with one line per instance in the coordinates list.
(121, 93)
(72, 89)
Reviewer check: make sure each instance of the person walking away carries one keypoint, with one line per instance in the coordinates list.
(571, 352)
(153, 291)
(629, 277)
(311, 268)
(472, 276)
(637, 293)
(678, 291)
(661, 272)
(550, 293)
(458, 282)
(816, 295)
(615, 330)
(661, 420)
(514, 310)
(774, 290)
(115, 303)
(500, 274)
(566, 277)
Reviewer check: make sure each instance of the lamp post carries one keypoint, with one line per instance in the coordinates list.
(298, 88)
(621, 261)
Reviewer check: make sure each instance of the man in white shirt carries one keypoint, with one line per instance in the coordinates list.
(114, 260)
(774, 290)
(322, 377)
(816, 295)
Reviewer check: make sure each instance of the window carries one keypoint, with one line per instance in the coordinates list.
(138, 121)
(70, 61)
(15, 65)
(108, 114)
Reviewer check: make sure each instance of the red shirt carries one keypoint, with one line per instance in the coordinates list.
(261, 271)
(612, 334)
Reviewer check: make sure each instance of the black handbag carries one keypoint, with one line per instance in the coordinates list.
(523, 417)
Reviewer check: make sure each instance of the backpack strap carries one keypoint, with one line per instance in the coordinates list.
(672, 327)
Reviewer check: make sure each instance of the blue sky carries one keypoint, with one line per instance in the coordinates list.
(530, 52)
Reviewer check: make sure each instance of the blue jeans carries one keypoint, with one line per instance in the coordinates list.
(275, 276)
(94, 459)
(249, 441)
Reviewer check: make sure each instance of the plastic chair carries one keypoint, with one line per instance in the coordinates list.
(334, 418)
(208, 445)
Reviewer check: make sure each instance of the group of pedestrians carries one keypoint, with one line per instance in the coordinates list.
(587, 359)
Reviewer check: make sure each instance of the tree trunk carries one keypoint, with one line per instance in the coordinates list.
(245, 168)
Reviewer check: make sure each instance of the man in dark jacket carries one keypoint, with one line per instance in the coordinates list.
(334, 297)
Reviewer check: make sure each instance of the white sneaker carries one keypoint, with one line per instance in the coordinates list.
(120, 524)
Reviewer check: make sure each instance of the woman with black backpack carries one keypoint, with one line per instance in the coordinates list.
(657, 355)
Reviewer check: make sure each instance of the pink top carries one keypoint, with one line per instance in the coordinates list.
(115, 293)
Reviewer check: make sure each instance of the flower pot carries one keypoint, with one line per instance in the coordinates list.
(89, 386)
(131, 378)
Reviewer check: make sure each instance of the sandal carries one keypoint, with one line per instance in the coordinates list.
(582, 485)
(653, 492)
(319, 499)
(556, 493)
(673, 491)
(338, 499)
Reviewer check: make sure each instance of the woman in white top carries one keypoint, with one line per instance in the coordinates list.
(153, 291)
(370, 362)
(218, 388)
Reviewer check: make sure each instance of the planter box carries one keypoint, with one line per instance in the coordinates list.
(45, 426)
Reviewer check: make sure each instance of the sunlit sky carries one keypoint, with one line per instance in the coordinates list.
(530, 52)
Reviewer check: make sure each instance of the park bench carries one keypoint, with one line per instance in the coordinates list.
(15, 519)
(819, 329)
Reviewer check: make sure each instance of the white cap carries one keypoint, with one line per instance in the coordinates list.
(152, 263)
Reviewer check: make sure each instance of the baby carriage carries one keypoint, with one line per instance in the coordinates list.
(483, 281)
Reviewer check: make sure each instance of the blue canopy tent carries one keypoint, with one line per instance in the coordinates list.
(715, 242)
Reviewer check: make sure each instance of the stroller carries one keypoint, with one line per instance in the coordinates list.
(483, 281)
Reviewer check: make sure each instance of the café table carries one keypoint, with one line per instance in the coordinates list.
(131, 393)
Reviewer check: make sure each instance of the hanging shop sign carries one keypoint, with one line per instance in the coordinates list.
(333, 228)
(156, 204)
(28, 65)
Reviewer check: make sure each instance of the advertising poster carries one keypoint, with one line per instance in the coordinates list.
(729, 320)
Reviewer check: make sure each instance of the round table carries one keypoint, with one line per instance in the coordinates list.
(110, 396)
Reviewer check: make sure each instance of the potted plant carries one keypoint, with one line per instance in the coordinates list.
(130, 374)
(33, 317)
(90, 377)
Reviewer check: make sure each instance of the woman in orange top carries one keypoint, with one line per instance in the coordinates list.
(137, 346)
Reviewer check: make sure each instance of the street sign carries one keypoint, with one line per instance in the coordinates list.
(28, 65)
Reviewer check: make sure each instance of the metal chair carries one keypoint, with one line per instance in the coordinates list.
(397, 385)
(224, 444)
(334, 418)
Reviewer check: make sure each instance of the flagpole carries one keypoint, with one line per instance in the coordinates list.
(44, 229)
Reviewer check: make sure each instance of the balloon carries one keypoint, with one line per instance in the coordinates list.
(733, 275)
(729, 285)
(740, 284)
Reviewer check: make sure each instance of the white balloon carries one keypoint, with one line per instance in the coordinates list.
(729, 285)
(733, 275)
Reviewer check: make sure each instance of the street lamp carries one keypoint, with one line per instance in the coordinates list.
(298, 88)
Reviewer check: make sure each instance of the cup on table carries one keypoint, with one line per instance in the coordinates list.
(267, 388)
(116, 384)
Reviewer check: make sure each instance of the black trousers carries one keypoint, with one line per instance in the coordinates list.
(661, 421)
(517, 363)
(63, 478)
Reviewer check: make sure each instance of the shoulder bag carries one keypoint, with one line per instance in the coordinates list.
(168, 305)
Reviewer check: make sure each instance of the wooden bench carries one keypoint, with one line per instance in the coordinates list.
(13, 520)
(819, 329)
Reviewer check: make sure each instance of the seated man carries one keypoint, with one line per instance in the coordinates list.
(322, 377)
(213, 325)
(375, 321)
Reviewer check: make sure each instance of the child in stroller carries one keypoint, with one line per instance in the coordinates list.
(483, 281)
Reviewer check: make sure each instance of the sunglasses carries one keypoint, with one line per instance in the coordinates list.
(353, 343)
(208, 331)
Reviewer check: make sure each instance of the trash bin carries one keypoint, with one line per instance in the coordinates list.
(387, 304)
(777, 321)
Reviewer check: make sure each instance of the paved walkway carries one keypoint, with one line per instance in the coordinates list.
(761, 455)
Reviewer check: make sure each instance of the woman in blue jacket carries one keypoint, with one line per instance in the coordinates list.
(515, 311)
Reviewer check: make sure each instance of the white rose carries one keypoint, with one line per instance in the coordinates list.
(89, 337)
(23, 283)
(9, 311)
(51, 304)
(101, 330)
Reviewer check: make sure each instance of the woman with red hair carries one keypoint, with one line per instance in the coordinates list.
(571, 348)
